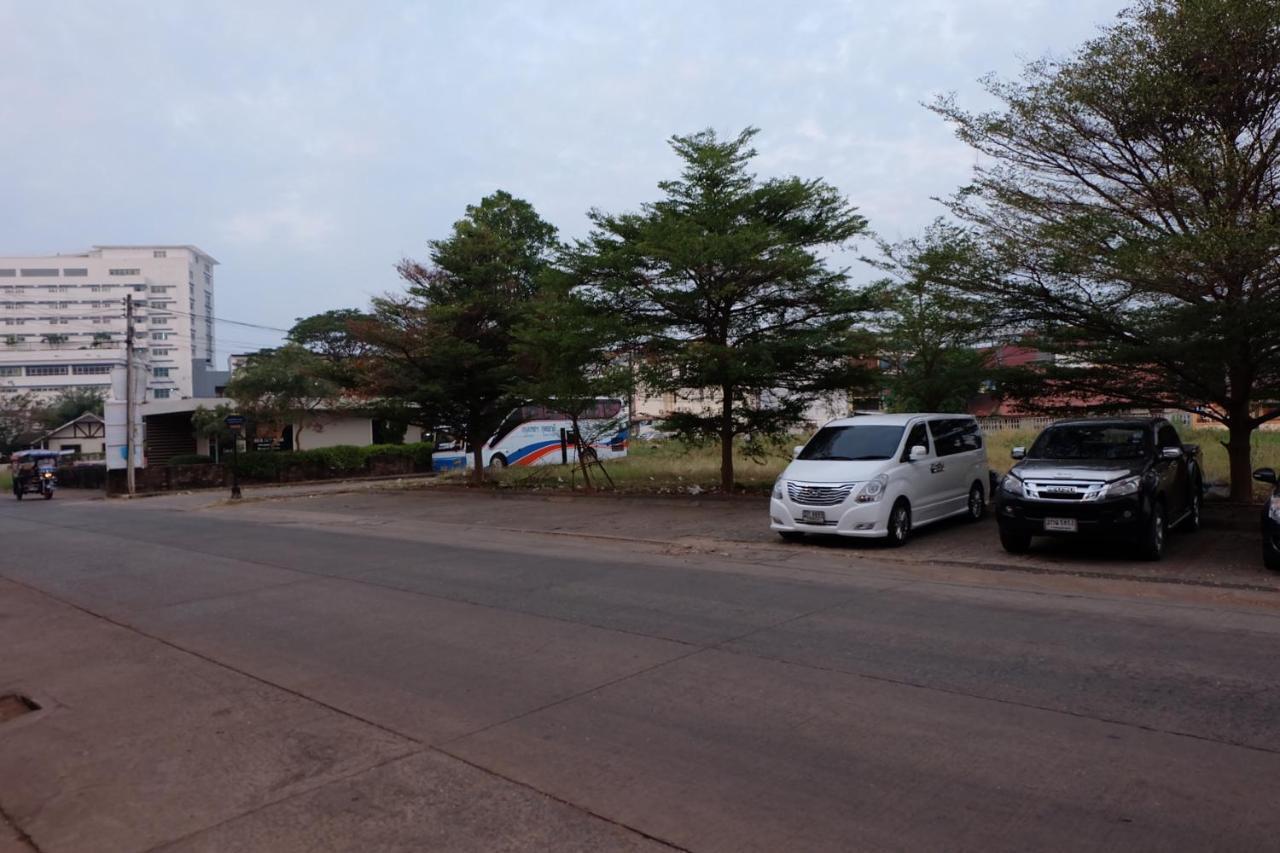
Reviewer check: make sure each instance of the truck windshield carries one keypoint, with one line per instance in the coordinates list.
(1092, 441)
(850, 443)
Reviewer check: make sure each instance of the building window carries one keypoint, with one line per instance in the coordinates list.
(159, 321)
(47, 370)
(75, 271)
(121, 272)
(160, 351)
(161, 288)
(161, 372)
(9, 370)
(159, 253)
(159, 336)
(7, 273)
(161, 393)
(90, 369)
(39, 271)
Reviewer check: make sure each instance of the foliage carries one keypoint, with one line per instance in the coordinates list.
(331, 335)
(212, 423)
(189, 459)
(20, 420)
(564, 350)
(328, 461)
(929, 330)
(289, 385)
(444, 348)
(1133, 191)
(71, 404)
(723, 281)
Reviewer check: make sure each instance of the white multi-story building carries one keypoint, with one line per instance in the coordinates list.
(63, 324)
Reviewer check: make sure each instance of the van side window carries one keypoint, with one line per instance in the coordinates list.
(955, 435)
(919, 437)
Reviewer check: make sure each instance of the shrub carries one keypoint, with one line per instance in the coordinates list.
(189, 459)
(342, 459)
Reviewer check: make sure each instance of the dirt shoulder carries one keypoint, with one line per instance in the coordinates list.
(1224, 553)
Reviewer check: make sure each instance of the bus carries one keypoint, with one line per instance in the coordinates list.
(535, 434)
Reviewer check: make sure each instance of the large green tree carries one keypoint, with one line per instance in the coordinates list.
(332, 336)
(21, 420)
(444, 347)
(1133, 189)
(930, 331)
(724, 280)
(286, 386)
(71, 404)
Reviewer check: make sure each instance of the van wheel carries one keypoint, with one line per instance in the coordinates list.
(791, 535)
(977, 502)
(900, 523)
(1151, 545)
(498, 462)
(1015, 543)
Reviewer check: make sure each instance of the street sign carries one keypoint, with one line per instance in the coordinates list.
(235, 422)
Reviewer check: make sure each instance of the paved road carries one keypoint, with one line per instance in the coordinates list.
(272, 677)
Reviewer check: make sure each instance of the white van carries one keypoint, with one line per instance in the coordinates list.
(882, 475)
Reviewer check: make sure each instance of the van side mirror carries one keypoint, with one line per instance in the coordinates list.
(917, 453)
(1265, 475)
(795, 451)
(1018, 453)
(1170, 452)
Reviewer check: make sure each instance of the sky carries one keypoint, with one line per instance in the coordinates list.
(309, 146)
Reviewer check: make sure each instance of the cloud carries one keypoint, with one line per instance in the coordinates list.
(288, 221)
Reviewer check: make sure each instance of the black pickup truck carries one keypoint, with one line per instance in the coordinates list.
(1124, 478)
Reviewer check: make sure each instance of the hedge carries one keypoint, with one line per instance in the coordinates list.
(327, 461)
(188, 459)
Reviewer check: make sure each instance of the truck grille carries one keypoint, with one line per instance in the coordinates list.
(819, 495)
(1062, 490)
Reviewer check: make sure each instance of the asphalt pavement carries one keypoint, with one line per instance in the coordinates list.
(398, 671)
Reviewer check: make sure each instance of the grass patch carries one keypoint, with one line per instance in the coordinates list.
(6, 480)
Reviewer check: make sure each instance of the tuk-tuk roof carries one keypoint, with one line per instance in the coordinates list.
(38, 454)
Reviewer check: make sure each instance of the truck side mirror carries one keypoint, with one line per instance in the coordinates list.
(1265, 475)
(1018, 453)
(917, 453)
(795, 451)
(1171, 452)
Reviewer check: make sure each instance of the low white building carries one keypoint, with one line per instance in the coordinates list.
(85, 435)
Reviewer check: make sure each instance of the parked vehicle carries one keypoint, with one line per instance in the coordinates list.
(35, 472)
(1128, 478)
(1270, 519)
(882, 476)
(538, 435)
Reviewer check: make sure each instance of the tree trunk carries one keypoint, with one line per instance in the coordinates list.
(726, 439)
(1239, 430)
(477, 467)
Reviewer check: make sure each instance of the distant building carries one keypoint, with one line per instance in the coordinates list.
(62, 318)
(86, 435)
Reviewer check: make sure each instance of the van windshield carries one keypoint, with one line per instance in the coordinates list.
(853, 443)
(1091, 441)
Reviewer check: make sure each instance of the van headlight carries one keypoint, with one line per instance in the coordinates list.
(778, 487)
(1011, 485)
(1120, 488)
(1273, 508)
(872, 490)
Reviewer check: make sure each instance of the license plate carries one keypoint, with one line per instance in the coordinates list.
(1061, 525)
(813, 516)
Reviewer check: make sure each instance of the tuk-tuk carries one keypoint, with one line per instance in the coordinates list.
(35, 472)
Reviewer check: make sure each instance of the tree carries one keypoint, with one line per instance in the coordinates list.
(724, 282)
(1134, 192)
(331, 335)
(444, 348)
(20, 419)
(212, 424)
(930, 330)
(289, 385)
(566, 356)
(71, 404)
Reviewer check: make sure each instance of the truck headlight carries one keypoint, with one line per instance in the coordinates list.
(1273, 508)
(1011, 485)
(1120, 488)
(777, 487)
(873, 490)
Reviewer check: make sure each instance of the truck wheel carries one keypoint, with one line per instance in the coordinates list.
(1015, 543)
(977, 505)
(1151, 545)
(498, 462)
(900, 523)
(1192, 521)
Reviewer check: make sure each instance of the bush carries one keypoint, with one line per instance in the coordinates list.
(326, 461)
(189, 459)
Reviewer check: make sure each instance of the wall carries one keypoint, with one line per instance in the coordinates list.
(357, 432)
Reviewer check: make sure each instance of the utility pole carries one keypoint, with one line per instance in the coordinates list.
(128, 391)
